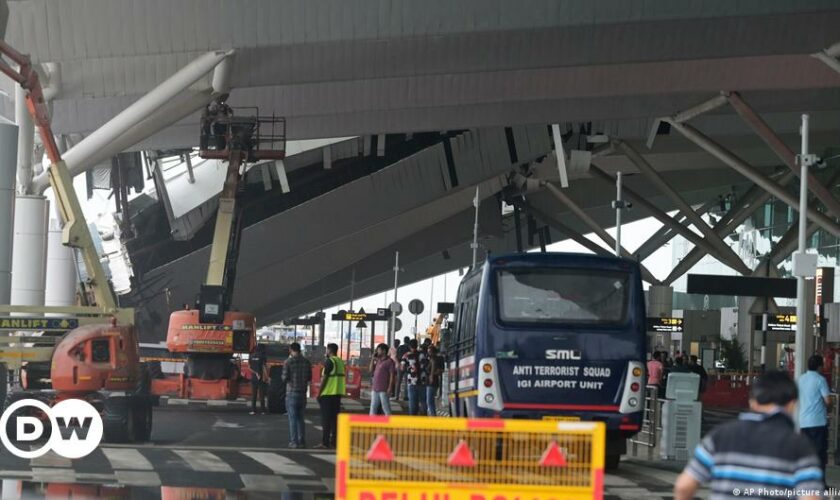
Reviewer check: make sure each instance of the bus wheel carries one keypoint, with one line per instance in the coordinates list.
(611, 461)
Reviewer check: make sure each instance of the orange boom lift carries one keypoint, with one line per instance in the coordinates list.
(98, 359)
(208, 337)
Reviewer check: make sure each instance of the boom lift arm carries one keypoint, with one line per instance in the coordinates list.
(238, 140)
(96, 360)
(75, 232)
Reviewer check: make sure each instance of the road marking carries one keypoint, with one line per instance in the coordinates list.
(127, 458)
(137, 478)
(15, 473)
(219, 423)
(53, 475)
(612, 480)
(327, 457)
(94, 476)
(263, 482)
(295, 484)
(310, 423)
(278, 463)
(203, 461)
(51, 459)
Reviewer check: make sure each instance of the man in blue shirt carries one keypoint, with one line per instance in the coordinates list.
(760, 455)
(813, 403)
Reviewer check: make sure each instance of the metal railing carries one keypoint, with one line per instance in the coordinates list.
(648, 435)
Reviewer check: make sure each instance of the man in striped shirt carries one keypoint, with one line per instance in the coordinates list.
(760, 455)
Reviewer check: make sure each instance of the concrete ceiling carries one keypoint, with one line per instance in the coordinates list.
(343, 68)
(338, 68)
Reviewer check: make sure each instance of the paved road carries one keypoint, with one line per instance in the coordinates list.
(224, 448)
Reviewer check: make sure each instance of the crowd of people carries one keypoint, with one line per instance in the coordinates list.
(407, 370)
(662, 364)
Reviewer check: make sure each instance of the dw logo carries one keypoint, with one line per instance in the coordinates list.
(75, 428)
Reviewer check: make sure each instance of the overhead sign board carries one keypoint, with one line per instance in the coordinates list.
(307, 321)
(741, 286)
(446, 307)
(359, 316)
(777, 323)
(45, 324)
(672, 325)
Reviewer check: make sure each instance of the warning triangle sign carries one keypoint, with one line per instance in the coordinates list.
(461, 456)
(380, 450)
(553, 456)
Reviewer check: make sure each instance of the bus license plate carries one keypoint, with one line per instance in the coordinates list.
(561, 418)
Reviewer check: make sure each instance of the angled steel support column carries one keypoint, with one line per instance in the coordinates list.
(661, 216)
(665, 233)
(760, 127)
(704, 107)
(785, 246)
(748, 204)
(752, 174)
(122, 129)
(723, 250)
(580, 238)
(563, 228)
(830, 57)
(594, 226)
(737, 214)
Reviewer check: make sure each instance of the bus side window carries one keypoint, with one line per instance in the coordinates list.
(459, 324)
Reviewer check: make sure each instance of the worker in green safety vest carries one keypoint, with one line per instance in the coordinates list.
(329, 397)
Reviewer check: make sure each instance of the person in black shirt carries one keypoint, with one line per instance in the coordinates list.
(401, 387)
(697, 368)
(256, 362)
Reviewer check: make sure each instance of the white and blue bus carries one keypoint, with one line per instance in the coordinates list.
(551, 336)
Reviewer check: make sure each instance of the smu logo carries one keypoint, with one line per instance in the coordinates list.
(562, 354)
(75, 428)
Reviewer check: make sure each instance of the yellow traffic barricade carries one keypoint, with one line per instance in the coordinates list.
(428, 458)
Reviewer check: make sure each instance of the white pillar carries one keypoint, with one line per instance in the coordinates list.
(8, 154)
(29, 259)
(61, 270)
(25, 140)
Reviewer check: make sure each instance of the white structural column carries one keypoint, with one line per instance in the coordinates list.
(61, 270)
(29, 259)
(147, 115)
(25, 139)
(8, 158)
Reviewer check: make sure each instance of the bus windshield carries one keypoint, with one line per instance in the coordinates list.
(556, 295)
